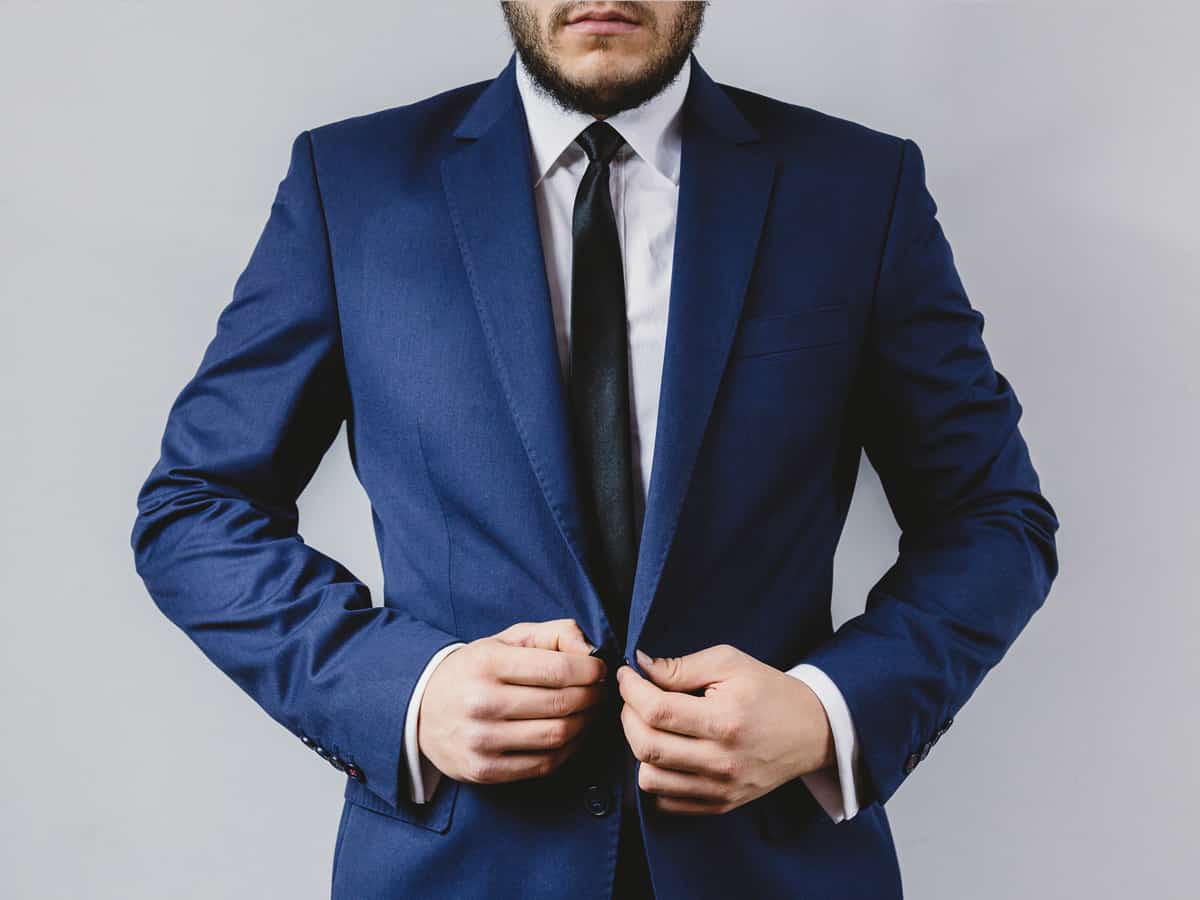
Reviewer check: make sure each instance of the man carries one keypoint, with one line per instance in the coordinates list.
(609, 338)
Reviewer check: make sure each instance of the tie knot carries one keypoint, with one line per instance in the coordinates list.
(600, 141)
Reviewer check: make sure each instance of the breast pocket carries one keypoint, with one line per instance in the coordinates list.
(819, 326)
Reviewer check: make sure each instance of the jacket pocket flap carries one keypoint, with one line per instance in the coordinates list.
(434, 814)
(775, 332)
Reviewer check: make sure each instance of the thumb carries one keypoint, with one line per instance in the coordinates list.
(556, 634)
(693, 672)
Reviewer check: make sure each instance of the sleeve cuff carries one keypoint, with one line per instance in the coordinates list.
(423, 775)
(834, 787)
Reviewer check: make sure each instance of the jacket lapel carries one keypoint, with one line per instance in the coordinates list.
(490, 194)
(726, 178)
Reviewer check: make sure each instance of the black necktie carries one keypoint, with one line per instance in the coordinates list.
(599, 380)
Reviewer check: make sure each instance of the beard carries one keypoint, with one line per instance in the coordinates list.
(604, 97)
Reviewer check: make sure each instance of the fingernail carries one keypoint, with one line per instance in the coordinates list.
(643, 658)
(591, 649)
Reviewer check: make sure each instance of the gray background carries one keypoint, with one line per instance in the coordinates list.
(142, 143)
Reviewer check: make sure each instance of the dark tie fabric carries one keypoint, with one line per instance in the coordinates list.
(598, 381)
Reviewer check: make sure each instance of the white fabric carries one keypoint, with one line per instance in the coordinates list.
(644, 185)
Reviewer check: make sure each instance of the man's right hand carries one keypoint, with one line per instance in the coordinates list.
(510, 706)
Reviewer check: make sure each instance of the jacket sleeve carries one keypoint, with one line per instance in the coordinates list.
(977, 551)
(215, 538)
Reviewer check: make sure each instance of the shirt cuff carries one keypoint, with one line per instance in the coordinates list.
(834, 787)
(423, 775)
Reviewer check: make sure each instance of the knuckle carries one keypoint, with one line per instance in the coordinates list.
(477, 703)
(729, 728)
(728, 768)
(480, 769)
(560, 703)
(476, 738)
(557, 734)
(657, 714)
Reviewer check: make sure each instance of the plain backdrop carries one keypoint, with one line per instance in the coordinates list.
(141, 146)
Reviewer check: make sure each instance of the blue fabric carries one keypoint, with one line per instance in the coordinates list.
(815, 311)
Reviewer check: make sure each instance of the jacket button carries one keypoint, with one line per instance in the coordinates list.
(596, 800)
(911, 762)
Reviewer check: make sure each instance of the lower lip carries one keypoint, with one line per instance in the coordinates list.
(602, 26)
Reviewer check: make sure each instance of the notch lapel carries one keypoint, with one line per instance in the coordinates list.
(726, 178)
(490, 195)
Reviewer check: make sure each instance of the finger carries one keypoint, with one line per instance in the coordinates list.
(664, 710)
(530, 734)
(544, 668)
(521, 764)
(695, 671)
(685, 807)
(520, 701)
(668, 750)
(557, 634)
(680, 785)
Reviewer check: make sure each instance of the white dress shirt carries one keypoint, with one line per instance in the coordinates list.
(644, 185)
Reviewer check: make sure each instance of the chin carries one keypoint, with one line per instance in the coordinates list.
(604, 65)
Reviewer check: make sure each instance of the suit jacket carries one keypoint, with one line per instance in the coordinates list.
(815, 312)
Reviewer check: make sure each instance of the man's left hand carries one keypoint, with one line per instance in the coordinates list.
(753, 729)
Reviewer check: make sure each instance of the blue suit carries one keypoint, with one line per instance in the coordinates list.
(815, 312)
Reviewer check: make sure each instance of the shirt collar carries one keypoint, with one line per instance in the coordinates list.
(652, 130)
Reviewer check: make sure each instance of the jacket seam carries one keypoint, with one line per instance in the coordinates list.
(888, 226)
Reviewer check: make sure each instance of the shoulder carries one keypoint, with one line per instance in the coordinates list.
(817, 136)
(412, 130)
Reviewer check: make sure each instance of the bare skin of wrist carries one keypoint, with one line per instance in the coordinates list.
(511, 706)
